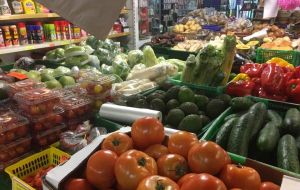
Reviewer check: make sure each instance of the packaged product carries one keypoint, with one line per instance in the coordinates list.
(4, 8)
(48, 137)
(23, 85)
(6, 35)
(15, 36)
(29, 7)
(17, 7)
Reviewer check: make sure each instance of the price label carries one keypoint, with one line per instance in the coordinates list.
(17, 75)
(29, 47)
(64, 42)
(51, 45)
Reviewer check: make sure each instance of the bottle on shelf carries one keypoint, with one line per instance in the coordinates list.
(28, 6)
(23, 33)
(14, 34)
(7, 36)
(4, 8)
(17, 7)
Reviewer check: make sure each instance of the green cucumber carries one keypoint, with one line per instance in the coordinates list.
(259, 110)
(224, 132)
(287, 154)
(234, 115)
(240, 103)
(291, 122)
(268, 137)
(275, 118)
(240, 135)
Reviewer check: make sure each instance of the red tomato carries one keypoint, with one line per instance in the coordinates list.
(203, 182)
(132, 167)
(173, 166)
(117, 142)
(181, 142)
(185, 178)
(156, 151)
(207, 157)
(156, 182)
(147, 131)
(100, 169)
(78, 184)
(235, 176)
(269, 186)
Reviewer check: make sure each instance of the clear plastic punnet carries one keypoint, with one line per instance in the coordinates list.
(12, 127)
(48, 137)
(75, 106)
(23, 85)
(37, 101)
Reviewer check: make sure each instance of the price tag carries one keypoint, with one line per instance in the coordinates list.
(51, 45)
(17, 75)
(29, 47)
(64, 42)
(290, 183)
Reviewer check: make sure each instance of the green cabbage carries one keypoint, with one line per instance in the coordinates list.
(77, 60)
(135, 57)
(120, 67)
(149, 58)
(61, 71)
(106, 69)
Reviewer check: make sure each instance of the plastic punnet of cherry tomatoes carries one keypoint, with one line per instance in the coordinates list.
(132, 167)
(117, 142)
(156, 182)
(181, 142)
(207, 157)
(100, 169)
(156, 151)
(203, 181)
(147, 131)
(237, 176)
(173, 166)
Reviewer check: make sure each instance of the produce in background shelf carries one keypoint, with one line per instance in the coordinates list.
(135, 57)
(149, 58)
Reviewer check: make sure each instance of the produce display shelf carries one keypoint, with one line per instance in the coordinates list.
(118, 35)
(18, 17)
(15, 49)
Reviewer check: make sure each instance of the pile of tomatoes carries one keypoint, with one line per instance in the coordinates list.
(148, 160)
(35, 180)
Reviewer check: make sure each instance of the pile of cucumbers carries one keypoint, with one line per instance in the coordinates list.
(263, 134)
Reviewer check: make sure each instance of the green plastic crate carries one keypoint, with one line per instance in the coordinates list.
(168, 53)
(215, 127)
(274, 104)
(263, 55)
(110, 126)
(207, 90)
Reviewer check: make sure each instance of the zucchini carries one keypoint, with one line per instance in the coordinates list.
(287, 154)
(268, 137)
(224, 132)
(275, 118)
(240, 103)
(259, 110)
(240, 135)
(291, 122)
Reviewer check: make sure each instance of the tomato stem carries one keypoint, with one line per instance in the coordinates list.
(116, 142)
(159, 186)
(142, 161)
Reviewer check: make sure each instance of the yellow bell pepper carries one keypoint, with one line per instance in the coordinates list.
(281, 62)
(241, 76)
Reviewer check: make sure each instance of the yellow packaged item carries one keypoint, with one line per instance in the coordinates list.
(281, 62)
(28, 6)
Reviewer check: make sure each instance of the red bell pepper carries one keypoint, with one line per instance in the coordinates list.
(240, 88)
(297, 73)
(252, 69)
(263, 94)
(272, 79)
(293, 90)
(257, 86)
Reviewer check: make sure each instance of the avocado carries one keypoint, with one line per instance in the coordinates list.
(200, 112)
(189, 108)
(201, 101)
(225, 98)
(186, 95)
(214, 108)
(157, 94)
(173, 103)
(191, 123)
(141, 103)
(131, 100)
(172, 93)
(174, 117)
(165, 86)
(205, 119)
(158, 104)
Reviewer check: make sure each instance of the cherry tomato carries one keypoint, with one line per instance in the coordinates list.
(117, 142)
(78, 184)
(235, 176)
(100, 169)
(22, 131)
(185, 178)
(132, 167)
(58, 119)
(156, 151)
(181, 142)
(38, 127)
(207, 157)
(156, 182)
(173, 166)
(203, 181)
(269, 186)
(147, 131)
